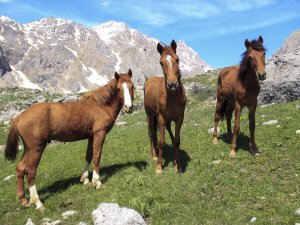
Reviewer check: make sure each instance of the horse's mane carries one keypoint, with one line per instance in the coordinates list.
(103, 95)
(244, 64)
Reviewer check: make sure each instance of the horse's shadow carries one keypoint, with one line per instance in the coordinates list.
(169, 156)
(108, 171)
(242, 141)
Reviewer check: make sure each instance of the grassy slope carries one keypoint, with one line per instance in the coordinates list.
(231, 192)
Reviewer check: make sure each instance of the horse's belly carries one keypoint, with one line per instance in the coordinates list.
(68, 136)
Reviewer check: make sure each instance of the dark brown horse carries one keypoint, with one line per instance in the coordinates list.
(238, 86)
(165, 102)
(90, 118)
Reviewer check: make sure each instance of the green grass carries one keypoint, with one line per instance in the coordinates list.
(232, 192)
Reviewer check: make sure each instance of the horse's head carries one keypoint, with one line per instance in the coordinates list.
(125, 89)
(169, 62)
(256, 56)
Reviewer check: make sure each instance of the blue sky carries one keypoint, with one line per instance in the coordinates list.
(216, 30)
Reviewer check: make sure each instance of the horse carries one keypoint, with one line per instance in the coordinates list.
(91, 117)
(239, 86)
(164, 102)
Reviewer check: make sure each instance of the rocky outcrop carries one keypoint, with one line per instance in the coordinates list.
(283, 73)
(64, 56)
(4, 64)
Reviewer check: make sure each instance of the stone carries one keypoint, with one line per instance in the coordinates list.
(29, 222)
(8, 177)
(121, 124)
(67, 214)
(113, 214)
(270, 122)
(297, 212)
(298, 132)
(253, 219)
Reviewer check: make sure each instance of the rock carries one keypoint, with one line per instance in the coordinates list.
(121, 124)
(2, 147)
(298, 132)
(82, 223)
(297, 212)
(29, 222)
(8, 177)
(263, 116)
(56, 222)
(253, 219)
(67, 214)
(270, 122)
(216, 162)
(211, 130)
(113, 214)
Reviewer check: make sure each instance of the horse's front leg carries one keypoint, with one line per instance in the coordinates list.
(99, 138)
(88, 158)
(253, 147)
(176, 144)
(161, 143)
(238, 110)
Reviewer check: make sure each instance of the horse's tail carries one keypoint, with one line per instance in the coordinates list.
(154, 140)
(12, 142)
(224, 109)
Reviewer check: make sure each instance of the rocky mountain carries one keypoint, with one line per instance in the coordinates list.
(283, 72)
(63, 56)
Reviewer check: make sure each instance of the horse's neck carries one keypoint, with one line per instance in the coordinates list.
(251, 81)
(115, 105)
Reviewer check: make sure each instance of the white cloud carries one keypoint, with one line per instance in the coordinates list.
(104, 3)
(246, 5)
(6, 1)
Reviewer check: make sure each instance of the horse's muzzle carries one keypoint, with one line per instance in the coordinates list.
(172, 86)
(262, 76)
(128, 109)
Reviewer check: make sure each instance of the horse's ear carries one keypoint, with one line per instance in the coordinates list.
(260, 40)
(117, 76)
(174, 45)
(247, 43)
(160, 48)
(130, 73)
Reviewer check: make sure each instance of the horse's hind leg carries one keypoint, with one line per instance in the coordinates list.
(88, 158)
(217, 118)
(152, 126)
(31, 168)
(228, 119)
(20, 177)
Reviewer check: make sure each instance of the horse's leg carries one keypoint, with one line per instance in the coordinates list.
(238, 110)
(161, 143)
(228, 119)
(217, 118)
(20, 177)
(97, 149)
(152, 134)
(88, 158)
(178, 125)
(168, 126)
(253, 147)
(31, 168)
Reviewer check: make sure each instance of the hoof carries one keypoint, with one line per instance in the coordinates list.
(215, 141)
(41, 208)
(178, 169)
(154, 158)
(232, 154)
(84, 180)
(97, 184)
(25, 203)
(158, 169)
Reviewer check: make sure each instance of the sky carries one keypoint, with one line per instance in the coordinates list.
(215, 29)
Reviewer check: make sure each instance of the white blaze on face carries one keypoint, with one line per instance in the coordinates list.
(169, 59)
(127, 97)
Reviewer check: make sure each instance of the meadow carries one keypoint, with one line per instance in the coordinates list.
(212, 189)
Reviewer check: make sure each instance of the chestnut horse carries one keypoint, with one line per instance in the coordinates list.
(238, 86)
(164, 102)
(90, 118)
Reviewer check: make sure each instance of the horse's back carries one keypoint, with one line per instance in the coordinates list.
(228, 78)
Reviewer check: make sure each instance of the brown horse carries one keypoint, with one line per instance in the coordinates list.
(238, 86)
(90, 118)
(164, 101)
